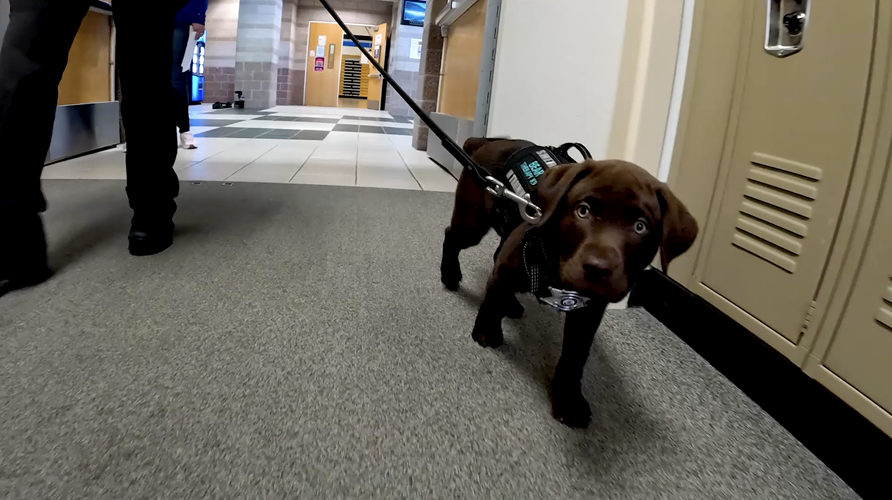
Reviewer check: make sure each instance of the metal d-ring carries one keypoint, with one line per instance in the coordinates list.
(498, 190)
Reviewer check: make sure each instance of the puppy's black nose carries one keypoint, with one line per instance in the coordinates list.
(597, 269)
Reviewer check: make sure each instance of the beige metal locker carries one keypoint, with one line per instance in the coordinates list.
(783, 155)
(861, 351)
(793, 150)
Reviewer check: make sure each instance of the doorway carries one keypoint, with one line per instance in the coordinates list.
(337, 74)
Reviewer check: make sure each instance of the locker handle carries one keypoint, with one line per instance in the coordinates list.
(785, 24)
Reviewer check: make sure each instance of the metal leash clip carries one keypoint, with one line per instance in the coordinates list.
(498, 190)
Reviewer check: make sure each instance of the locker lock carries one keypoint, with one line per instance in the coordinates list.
(795, 23)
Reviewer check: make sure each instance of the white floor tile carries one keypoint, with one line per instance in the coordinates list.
(343, 153)
(327, 166)
(208, 147)
(434, 179)
(282, 125)
(265, 172)
(228, 162)
(198, 130)
(375, 140)
(278, 164)
(391, 178)
(402, 141)
(375, 123)
(307, 115)
(431, 176)
(320, 111)
(385, 160)
(341, 139)
(324, 179)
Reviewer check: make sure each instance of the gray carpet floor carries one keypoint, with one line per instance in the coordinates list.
(295, 342)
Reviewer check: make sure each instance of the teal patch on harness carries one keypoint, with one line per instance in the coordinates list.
(532, 171)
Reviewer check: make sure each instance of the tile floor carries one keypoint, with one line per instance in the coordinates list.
(288, 144)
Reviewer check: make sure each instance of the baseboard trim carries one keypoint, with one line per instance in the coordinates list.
(848, 443)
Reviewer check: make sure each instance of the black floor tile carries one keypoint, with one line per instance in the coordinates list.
(314, 120)
(247, 133)
(397, 131)
(368, 129)
(375, 119)
(204, 122)
(352, 118)
(402, 119)
(311, 135)
(279, 134)
(346, 128)
(218, 132)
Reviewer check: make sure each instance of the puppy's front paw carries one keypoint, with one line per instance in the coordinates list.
(571, 409)
(450, 277)
(487, 337)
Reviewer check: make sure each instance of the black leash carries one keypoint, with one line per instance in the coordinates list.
(529, 211)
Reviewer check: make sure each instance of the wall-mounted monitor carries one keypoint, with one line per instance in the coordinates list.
(413, 12)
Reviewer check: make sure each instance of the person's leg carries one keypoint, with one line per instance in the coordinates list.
(32, 60)
(143, 57)
(179, 79)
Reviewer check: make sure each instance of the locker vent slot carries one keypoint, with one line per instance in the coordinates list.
(776, 209)
(884, 315)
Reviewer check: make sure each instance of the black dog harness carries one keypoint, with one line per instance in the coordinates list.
(522, 172)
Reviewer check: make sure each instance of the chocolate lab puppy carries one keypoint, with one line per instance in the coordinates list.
(602, 223)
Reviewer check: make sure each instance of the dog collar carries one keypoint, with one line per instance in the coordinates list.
(563, 300)
(542, 275)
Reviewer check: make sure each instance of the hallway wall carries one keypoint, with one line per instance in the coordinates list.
(558, 85)
(222, 26)
(403, 68)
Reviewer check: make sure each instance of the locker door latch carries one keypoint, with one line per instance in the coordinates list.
(785, 25)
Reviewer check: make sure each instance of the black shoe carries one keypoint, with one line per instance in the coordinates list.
(23, 279)
(23, 251)
(149, 239)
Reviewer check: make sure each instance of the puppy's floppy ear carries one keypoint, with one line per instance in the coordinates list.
(679, 227)
(555, 183)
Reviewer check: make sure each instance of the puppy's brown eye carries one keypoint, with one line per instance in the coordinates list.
(583, 210)
(641, 226)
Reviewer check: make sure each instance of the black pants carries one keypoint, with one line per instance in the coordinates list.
(179, 79)
(32, 60)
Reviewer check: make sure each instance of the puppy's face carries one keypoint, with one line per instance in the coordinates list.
(607, 220)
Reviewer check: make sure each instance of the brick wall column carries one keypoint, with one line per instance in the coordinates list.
(257, 51)
(428, 72)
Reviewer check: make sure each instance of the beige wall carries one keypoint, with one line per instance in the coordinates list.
(646, 79)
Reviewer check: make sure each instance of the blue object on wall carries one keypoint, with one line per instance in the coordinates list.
(349, 43)
(196, 86)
